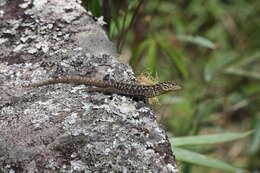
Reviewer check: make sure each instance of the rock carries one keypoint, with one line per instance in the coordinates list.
(63, 128)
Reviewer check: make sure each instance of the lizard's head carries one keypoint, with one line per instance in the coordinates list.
(168, 86)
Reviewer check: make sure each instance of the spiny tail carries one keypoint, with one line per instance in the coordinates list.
(75, 80)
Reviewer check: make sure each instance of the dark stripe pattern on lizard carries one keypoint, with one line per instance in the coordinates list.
(134, 90)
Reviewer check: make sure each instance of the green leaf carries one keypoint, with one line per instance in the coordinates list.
(132, 4)
(247, 59)
(119, 24)
(152, 53)
(201, 41)
(114, 28)
(207, 139)
(241, 72)
(254, 146)
(251, 88)
(177, 58)
(199, 159)
(218, 64)
(95, 7)
(126, 21)
(232, 65)
(139, 52)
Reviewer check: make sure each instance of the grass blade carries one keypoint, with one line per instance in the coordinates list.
(200, 159)
(201, 41)
(175, 56)
(240, 72)
(136, 54)
(207, 139)
(152, 53)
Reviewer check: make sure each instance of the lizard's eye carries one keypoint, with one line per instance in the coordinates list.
(167, 85)
(170, 86)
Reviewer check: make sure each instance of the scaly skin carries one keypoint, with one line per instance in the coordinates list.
(134, 90)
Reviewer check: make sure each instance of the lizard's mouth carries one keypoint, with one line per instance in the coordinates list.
(177, 87)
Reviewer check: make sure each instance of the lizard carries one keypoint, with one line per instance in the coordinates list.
(121, 88)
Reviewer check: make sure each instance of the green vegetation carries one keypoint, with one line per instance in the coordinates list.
(212, 49)
(185, 154)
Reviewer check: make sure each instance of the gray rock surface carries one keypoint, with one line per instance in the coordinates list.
(63, 128)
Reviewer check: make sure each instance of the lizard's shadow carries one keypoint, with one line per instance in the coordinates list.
(109, 91)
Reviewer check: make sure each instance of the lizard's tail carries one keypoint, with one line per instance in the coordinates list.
(76, 80)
